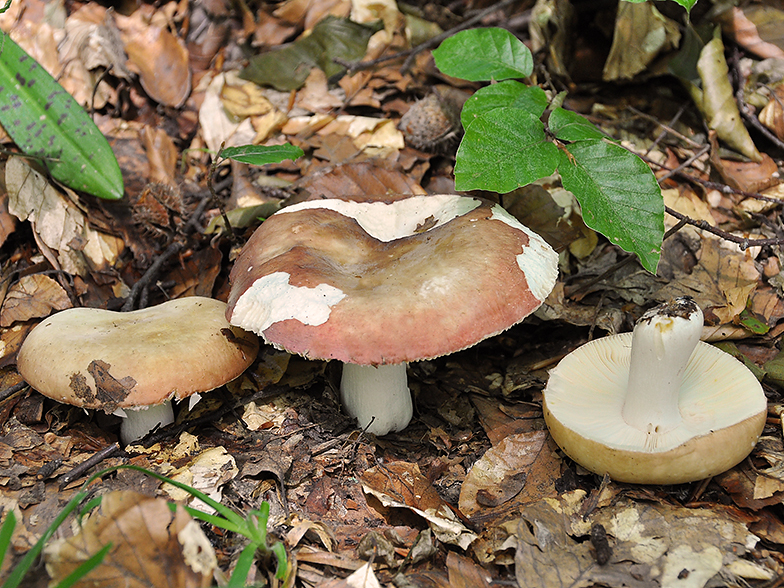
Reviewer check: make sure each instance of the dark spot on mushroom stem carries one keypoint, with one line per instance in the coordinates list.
(110, 391)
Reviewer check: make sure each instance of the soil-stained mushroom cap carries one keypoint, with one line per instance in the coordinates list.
(655, 412)
(383, 280)
(107, 360)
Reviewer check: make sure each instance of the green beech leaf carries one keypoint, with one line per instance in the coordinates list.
(484, 54)
(618, 195)
(508, 93)
(503, 149)
(570, 126)
(47, 123)
(261, 154)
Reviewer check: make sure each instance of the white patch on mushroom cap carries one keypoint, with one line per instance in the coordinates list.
(272, 299)
(387, 221)
(538, 261)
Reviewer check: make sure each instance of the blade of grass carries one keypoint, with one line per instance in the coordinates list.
(85, 568)
(6, 531)
(244, 561)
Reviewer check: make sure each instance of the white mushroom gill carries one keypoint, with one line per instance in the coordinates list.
(662, 344)
(272, 299)
(387, 221)
(377, 396)
(589, 391)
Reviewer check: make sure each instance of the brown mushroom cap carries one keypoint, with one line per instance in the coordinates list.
(107, 360)
(386, 280)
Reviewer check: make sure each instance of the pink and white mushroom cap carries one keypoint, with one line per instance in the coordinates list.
(391, 279)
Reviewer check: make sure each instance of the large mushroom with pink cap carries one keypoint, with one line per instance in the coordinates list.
(376, 282)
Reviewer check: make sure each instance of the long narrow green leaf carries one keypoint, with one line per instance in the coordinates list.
(85, 567)
(261, 154)
(15, 578)
(6, 531)
(241, 569)
(47, 123)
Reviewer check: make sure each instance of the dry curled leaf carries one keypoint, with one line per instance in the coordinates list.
(33, 296)
(152, 546)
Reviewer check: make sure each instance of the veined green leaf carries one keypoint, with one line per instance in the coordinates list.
(480, 55)
(618, 195)
(570, 126)
(502, 150)
(47, 123)
(507, 93)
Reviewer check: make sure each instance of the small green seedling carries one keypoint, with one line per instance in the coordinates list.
(48, 124)
(514, 136)
(252, 155)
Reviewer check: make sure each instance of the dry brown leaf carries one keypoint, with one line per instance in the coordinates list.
(747, 176)
(161, 155)
(7, 220)
(650, 545)
(60, 227)
(402, 485)
(10, 342)
(463, 573)
(721, 282)
(242, 98)
(520, 469)
(160, 59)
(641, 33)
(151, 546)
(207, 472)
(315, 95)
(33, 296)
(743, 29)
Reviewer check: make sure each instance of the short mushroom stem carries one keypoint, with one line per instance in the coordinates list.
(379, 394)
(140, 421)
(663, 341)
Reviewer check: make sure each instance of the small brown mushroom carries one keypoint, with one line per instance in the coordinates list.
(135, 362)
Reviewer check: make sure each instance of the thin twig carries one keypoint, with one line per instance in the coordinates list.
(410, 54)
(743, 242)
(734, 62)
(11, 390)
(172, 250)
(432, 42)
(96, 458)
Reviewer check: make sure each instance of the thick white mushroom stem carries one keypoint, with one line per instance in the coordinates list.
(137, 422)
(663, 341)
(379, 394)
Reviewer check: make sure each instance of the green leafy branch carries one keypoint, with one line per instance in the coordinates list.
(515, 136)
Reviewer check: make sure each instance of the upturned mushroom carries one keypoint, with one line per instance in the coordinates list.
(376, 282)
(656, 406)
(135, 363)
